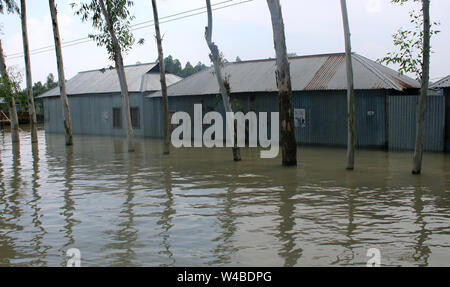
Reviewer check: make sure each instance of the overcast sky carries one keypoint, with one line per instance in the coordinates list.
(244, 30)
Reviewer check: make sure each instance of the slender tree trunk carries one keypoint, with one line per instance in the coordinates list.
(26, 52)
(420, 132)
(283, 77)
(351, 136)
(224, 86)
(165, 100)
(61, 76)
(122, 77)
(14, 120)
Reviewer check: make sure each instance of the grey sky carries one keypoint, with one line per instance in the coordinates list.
(244, 30)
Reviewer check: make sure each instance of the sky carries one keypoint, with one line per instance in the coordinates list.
(244, 30)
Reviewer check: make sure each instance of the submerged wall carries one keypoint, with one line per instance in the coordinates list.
(382, 121)
(402, 124)
(91, 114)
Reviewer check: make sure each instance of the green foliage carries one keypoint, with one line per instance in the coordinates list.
(121, 18)
(10, 6)
(10, 86)
(173, 66)
(409, 44)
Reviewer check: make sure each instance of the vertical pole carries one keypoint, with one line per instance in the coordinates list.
(61, 76)
(351, 135)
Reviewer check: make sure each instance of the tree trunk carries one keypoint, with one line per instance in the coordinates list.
(420, 132)
(61, 76)
(122, 77)
(283, 77)
(223, 84)
(26, 52)
(14, 120)
(351, 136)
(165, 100)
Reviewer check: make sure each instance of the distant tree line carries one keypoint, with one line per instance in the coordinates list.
(173, 66)
(38, 89)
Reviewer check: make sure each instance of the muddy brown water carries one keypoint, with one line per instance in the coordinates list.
(196, 207)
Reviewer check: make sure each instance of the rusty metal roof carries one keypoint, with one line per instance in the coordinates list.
(140, 78)
(308, 73)
(442, 83)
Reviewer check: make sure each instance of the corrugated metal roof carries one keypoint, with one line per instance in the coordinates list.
(442, 83)
(140, 78)
(308, 73)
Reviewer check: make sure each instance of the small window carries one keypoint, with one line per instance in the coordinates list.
(117, 118)
(135, 118)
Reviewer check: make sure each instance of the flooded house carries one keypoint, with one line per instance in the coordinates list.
(95, 101)
(385, 101)
(444, 86)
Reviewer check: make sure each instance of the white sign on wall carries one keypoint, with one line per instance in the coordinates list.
(299, 118)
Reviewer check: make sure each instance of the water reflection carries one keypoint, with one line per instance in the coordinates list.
(289, 251)
(38, 236)
(68, 207)
(166, 216)
(421, 250)
(197, 207)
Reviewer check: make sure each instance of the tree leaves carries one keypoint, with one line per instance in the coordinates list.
(409, 44)
(121, 19)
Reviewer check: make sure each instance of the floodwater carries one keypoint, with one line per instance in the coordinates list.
(196, 207)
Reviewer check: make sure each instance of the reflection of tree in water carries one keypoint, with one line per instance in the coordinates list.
(69, 205)
(126, 236)
(36, 241)
(349, 243)
(10, 210)
(421, 251)
(286, 229)
(224, 248)
(166, 215)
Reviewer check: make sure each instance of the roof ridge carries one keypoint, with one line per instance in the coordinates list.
(290, 58)
(372, 68)
(112, 68)
(439, 82)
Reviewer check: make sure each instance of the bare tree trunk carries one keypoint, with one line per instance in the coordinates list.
(14, 120)
(26, 52)
(224, 86)
(351, 136)
(283, 77)
(122, 77)
(165, 100)
(420, 132)
(61, 76)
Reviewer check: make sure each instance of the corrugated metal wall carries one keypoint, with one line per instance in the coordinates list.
(91, 115)
(402, 124)
(447, 119)
(326, 118)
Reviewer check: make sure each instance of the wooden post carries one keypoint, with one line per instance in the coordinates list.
(420, 128)
(11, 101)
(122, 77)
(165, 100)
(283, 77)
(61, 76)
(26, 52)
(223, 84)
(351, 134)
